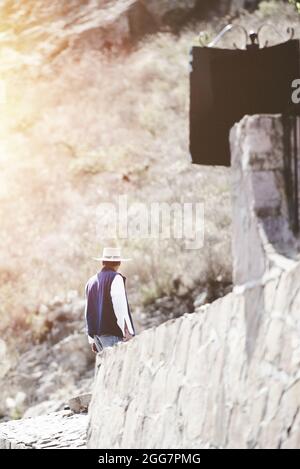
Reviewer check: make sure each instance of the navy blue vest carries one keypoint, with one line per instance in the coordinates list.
(100, 315)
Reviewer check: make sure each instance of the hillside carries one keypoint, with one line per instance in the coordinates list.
(91, 113)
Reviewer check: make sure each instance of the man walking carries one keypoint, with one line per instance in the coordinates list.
(107, 314)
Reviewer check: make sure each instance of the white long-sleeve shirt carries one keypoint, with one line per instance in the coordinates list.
(119, 301)
(120, 306)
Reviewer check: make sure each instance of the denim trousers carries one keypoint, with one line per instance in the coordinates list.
(103, 341)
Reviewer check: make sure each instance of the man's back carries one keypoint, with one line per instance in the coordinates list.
(107, 311)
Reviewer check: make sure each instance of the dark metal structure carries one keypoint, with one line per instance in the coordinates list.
(226, 84)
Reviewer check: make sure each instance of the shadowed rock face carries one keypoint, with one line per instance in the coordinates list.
(162, 10)
(49, 27)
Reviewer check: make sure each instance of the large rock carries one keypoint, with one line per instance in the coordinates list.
(73, 353)
(80, 403)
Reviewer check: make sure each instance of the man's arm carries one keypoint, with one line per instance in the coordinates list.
(118, 296)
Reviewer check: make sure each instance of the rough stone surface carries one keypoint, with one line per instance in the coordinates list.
(80, 403)
(54, 431)
(226, 376)
(209, 379)
(262, 237)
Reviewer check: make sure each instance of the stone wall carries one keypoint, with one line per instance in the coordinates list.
(208, 379)
(226, 376)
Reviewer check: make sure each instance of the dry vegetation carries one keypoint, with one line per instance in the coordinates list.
(84, 129)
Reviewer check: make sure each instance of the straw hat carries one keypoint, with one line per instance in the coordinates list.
(112, 255)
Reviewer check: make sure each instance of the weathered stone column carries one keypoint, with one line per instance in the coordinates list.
(263, 242)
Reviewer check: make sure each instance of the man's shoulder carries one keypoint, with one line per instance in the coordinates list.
(92, 282)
